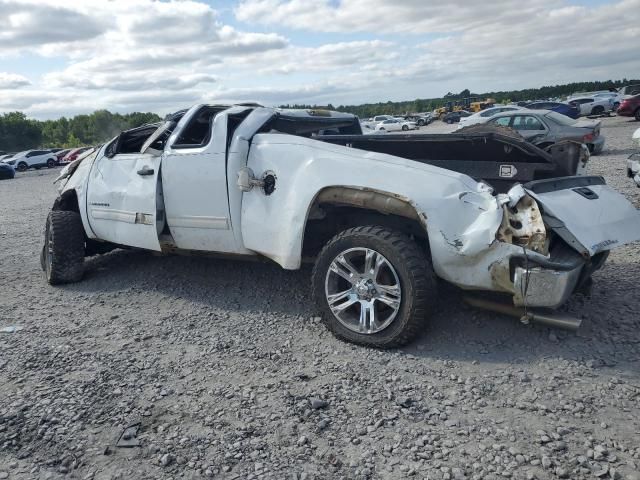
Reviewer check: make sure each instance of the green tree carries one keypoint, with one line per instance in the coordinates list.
(17, 132)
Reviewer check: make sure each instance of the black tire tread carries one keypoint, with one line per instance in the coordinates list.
(67, 264)
(423, 281)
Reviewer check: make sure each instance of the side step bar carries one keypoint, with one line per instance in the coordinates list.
(556, 320)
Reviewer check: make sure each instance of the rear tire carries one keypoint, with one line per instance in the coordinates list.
(22, 167)
(51, 163)
(637, 114)
(62, 256)
(405, 128)
(408, 273)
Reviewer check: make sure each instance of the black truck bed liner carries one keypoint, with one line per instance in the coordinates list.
(499, 158)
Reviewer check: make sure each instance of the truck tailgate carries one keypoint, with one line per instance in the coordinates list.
(588, 214)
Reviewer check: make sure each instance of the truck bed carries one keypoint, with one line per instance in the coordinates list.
(499, 158)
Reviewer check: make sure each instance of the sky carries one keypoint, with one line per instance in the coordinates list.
(62, 58)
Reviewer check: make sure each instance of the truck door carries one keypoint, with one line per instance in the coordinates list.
(194, 182)
(121, 195)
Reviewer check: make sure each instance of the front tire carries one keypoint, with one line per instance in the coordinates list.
(405, 128)
(374, 286)
(62, 256)
(51, 163)
(22, 167)
(637, 114)
(599, 110)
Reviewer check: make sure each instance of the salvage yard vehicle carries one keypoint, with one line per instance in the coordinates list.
(630, 107)
(254, 181)
(560, 107)
(7, 171)
(456, 116)
(592, 105)
(37, 159)
(485, 115)
(396, 125)
(545, 128)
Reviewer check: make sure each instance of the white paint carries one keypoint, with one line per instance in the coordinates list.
(119, 192)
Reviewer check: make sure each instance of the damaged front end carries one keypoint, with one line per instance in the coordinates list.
(573, 222)
(550, 236)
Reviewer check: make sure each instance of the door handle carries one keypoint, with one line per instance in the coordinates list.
(145, 171)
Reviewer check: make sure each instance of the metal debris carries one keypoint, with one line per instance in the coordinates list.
(129, 437)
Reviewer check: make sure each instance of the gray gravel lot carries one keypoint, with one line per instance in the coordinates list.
(231, 375)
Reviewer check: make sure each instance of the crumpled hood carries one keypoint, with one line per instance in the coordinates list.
(588, 214)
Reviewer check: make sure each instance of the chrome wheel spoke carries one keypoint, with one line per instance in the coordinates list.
(380, 261)
(342, 267)
(341, 301)
(367, 322)
(370, 262)
(378, 304)
(389, 295)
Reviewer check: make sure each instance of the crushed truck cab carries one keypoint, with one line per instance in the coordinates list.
(254, 181)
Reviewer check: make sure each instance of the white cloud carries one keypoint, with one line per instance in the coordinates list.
(161, 55)
(27, 25)
(12, 80)
(375, 16)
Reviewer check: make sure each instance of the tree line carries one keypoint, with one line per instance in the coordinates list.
(428, 104)
(17, 132)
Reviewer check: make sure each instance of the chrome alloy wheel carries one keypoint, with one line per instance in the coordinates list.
(363, 290)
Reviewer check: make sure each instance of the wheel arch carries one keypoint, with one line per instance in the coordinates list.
(337, 208)
(67, 201)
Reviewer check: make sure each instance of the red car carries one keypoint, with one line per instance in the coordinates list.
(72, 155)
(630, 107)
(60, 155)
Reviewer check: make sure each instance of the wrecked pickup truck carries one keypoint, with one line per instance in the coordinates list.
(254, 181)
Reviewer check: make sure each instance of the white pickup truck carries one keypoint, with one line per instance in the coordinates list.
(254, 181)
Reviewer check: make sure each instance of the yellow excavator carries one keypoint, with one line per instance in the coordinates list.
(471, 104)
(479, 105)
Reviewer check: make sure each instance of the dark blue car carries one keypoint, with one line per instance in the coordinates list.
(6, 171)
(563, 108)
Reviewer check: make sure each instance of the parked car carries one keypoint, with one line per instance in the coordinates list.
(629, 90)
(6, 156)
(6, 171)
(633, 162)
(381, 118)
(32, 159)
(592, 105)
(394, 125)
(423, 119)
(72, 155)
(571, 111)
(454, 117)
(615, 98)
(545, 128)
(61, 154)
(484, 115)
(380, 227)
(369, 129)
(630, 107)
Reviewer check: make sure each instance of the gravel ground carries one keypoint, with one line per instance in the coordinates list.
(230, 375)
